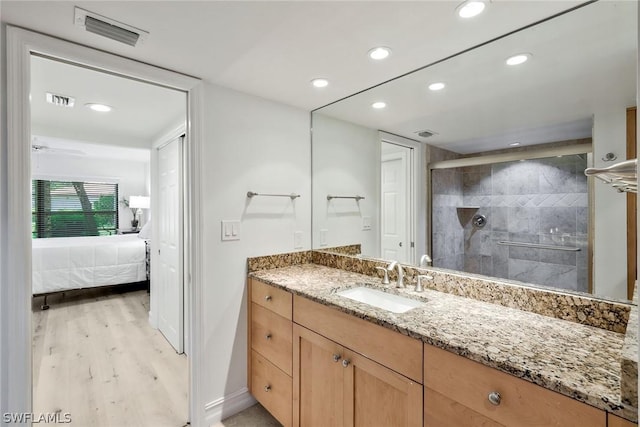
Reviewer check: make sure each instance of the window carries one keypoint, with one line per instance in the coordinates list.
(68, 209)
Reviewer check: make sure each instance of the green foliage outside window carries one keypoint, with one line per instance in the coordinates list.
(70, 209)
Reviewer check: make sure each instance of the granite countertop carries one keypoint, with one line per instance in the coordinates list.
(582, 362)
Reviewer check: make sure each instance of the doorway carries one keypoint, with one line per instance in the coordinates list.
(16, 314)
(92, 245)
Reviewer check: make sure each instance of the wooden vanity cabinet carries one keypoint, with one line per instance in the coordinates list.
(270, 350)
(337, 386)
(615, 421)
(462, 393)
(334, 386)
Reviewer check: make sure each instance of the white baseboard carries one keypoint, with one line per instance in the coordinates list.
(153, 320)
(217, 410)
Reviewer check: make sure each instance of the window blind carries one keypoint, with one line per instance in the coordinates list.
(73, 208)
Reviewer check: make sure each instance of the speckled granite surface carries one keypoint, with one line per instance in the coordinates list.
(277, 261)
(576, 360)
(345, 250)
(574, 307)
(629, 363)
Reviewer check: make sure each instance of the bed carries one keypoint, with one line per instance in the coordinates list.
(65, 263)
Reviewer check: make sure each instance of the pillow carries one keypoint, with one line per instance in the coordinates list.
(145, 231)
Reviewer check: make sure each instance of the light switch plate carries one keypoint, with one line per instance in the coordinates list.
(323, 237)
(297, 240)
(230, 230)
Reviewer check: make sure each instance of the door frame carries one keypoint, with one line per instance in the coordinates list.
(15, 303)
(416, 194)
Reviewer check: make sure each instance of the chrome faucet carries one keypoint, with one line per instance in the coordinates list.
(400, 278)
(425, 260)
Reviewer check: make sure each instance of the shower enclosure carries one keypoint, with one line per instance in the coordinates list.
(525, 220)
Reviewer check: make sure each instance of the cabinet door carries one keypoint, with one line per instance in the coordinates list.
(318, 398)
(615, 421)
(377, 396)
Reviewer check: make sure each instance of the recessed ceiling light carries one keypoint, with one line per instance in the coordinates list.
(379, 53)
(436, 86)
(514, 144)
(320, 82)
(518, 59)
(101, 108)
(379, 105)
(470, 8)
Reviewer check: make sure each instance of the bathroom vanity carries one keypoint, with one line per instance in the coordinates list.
(318, 358)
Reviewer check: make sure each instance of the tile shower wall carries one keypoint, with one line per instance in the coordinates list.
(542, 201)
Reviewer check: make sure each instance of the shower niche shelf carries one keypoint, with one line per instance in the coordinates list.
(466, 214)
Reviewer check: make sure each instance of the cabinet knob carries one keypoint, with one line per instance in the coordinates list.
(267, 298)
(267, 388)
(267, 337)
(346, 363)
(336, 357)
(494, 398)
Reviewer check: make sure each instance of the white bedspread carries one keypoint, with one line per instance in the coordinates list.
(64, 263)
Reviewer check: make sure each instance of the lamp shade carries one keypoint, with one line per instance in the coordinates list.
(139, 202)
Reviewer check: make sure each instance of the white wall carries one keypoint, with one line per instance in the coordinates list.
(610, 224)
(251, 144)
(5, 333)
(345, 156)
(132, 176)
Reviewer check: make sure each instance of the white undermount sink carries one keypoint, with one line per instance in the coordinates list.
(380, 299)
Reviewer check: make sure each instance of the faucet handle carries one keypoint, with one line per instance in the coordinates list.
(385, 279)
(421, 277)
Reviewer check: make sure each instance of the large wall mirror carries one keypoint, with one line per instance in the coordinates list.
(485, 171)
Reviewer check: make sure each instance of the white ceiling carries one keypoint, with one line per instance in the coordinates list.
(140, 111)
(583, 63)
(273, 49)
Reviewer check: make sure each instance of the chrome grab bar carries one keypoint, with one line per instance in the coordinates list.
(538, 246)
(251, 194)
(356, 198)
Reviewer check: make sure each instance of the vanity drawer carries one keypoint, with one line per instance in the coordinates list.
(521, 403)
(271, 336)
(272, 388)
(391, 349)
(276, 300)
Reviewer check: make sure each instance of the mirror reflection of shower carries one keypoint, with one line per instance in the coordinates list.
(534, 215)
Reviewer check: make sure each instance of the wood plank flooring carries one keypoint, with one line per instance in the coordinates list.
(96, 357)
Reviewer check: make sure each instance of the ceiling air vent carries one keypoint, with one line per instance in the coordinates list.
(60, 100)
(426, 133)
(109, 28)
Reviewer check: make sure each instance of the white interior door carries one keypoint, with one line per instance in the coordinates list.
(168, 280)
(395, 202)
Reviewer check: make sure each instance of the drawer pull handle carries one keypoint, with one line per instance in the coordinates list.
(267, 337)
(267, 388)
(336, 357)
(267, 298)
(346, 363)
(494, 398)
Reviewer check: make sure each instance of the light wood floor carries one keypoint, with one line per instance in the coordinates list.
(96, 357)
